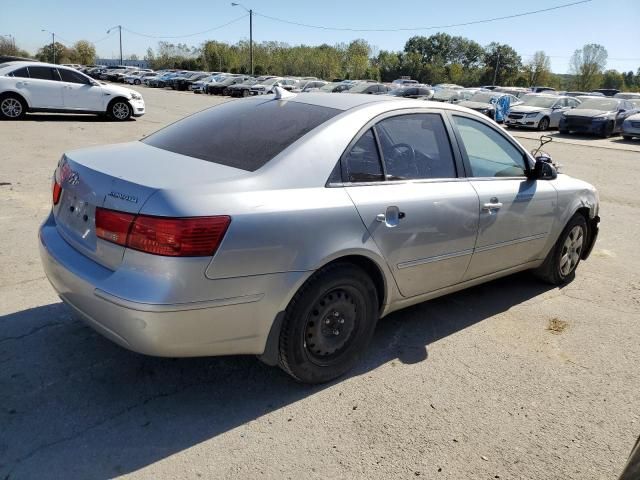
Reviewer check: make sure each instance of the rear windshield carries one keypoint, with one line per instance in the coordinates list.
(244, 134)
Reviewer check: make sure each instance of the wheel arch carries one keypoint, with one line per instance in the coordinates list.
(16, 94)
(115, 99)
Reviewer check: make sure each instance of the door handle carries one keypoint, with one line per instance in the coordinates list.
(492, 206)
(391, 217)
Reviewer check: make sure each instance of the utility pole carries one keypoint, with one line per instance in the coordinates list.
(233, 4)
(495, 73)
(53, 43)
(119, 27)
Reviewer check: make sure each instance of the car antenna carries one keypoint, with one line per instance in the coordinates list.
(281, 93)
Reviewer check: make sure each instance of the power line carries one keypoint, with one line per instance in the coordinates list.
(189, 34)
(434, 27)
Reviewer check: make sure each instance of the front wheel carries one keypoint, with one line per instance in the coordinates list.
(328, 324)
(627, 137)
(120, 110)
(136, 82)
(543, 124)
(560, 265)
(607, 130)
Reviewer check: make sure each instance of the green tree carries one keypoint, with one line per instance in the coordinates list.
(502, 63)
(46, 53)
(587, 65)
(538, 70)
(83, 52)
(612, 79)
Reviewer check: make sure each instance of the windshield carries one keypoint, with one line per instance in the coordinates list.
(536, 101)
(212, 135)
(482, 97)
(329, 87)
(271, 81)
(360, 87)
(444, 94)
(606, 104)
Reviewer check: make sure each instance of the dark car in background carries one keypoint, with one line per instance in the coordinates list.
(219, 87)
(243, 89)
(369, 88)
(607, 92)
(184, 82)
(411, 91)
(336, 87)
(598, 116)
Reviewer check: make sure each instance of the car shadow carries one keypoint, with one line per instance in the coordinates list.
(74, 405)
(67, 117)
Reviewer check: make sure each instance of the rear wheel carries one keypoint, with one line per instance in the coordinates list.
(137, 81)
(627, 137)
(543, 124)
(328, 324)
(560, 265)
(12, 107)
(120, 110)
(245, 93)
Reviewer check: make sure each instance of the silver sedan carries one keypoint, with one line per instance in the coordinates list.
(286, 225)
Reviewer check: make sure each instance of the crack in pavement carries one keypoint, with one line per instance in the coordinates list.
(31, 332)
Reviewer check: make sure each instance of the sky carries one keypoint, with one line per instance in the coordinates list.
(612, 23)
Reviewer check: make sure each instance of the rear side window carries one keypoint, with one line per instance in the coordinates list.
(43, 73)
(21, 72)
(243, 134)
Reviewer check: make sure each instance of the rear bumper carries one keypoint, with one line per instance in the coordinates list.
(236, 320)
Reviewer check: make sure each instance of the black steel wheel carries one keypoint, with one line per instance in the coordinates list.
(328, 324)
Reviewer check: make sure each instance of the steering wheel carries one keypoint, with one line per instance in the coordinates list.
(405, 151)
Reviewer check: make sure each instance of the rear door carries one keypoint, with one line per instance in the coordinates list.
(45, 88)
(516, 213)
(79, 93)
(402, 176)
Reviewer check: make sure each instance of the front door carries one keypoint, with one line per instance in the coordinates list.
(79, 92)
(421, 215)
(516, 214)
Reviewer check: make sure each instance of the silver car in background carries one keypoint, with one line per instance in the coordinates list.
(290, 242)
(540, 111)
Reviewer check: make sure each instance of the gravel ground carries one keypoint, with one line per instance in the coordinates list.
(509, 380)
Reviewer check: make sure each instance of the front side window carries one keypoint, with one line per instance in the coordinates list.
(416, 146)
(72, 77)
(490, 154)
(43, 73)
(362, 163)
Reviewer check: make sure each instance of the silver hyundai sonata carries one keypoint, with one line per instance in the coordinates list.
(286, 225)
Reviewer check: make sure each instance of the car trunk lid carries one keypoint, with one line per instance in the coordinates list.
(120, 177)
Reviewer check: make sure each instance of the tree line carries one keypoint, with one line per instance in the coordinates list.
(439, 58)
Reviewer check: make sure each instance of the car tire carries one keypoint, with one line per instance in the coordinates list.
(627, 137)
(245, 93)
(12, 107)
(119, 110)
(607, 130)
(328, 324)
(543, 124)
(136, 82)
(560, 265)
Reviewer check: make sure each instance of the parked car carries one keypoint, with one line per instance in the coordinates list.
(369, 88)
(485, 102)
(627, 95)
(400, 82)
(583, 94)
(75, 66)
(447, 95)
(217, 88)
(542, 89)
(607, 92)
(540, 111)
(242, 89)
(185, 82)
(599, 116)
(412, 91)
(43, 87)
(138, 78)
(335, 87)
(518, 92)
(164, 80)
(307, 86)
(265, 87)
(191, 243)
(201, 85)
(447, 86)
(631, 127)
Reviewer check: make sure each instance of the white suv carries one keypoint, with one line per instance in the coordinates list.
(43, 87)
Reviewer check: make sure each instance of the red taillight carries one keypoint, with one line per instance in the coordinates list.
(57, 191)
(113, 226)
(174, 237)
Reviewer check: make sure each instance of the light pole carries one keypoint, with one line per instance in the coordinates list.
(119, 27)
(233, 4)
(53, 43)
(495, 73)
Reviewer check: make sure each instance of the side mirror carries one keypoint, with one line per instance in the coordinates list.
(622, 111)
(544, 170)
